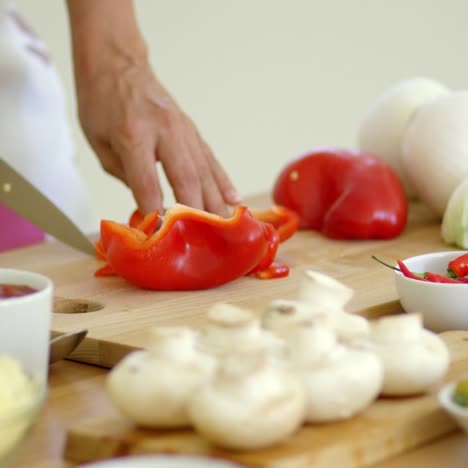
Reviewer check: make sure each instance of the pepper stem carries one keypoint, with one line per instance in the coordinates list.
(385, 264)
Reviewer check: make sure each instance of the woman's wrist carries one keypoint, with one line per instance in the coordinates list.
(105, 36)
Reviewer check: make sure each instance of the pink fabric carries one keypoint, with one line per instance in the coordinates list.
(16, 232)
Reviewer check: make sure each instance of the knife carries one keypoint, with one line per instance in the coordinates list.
(21, 196)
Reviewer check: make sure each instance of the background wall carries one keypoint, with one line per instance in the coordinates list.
(267, 79)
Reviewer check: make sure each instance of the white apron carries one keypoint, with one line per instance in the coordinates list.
(35, 137)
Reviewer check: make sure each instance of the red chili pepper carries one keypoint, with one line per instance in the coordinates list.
(428, 276)
(409, 274)
(192, 249)
(344, 194)
(458, 267)
(438, 278)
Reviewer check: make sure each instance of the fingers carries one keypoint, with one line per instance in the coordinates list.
(194, 182)
(197, 178)
(176, 154)
(135, 150)
(110, 161)
(224, 184)
(213, 197)
(142, 178)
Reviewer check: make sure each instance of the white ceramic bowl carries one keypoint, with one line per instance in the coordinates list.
(24, 355)
(443, 306)
(163, 461)
(26, 321)
(459, 413)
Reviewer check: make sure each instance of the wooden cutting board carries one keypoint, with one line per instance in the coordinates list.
(388, 427)
(127, 312)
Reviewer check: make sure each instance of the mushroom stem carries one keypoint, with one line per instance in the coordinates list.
(174, 343)
(310, 341)
(323, 290)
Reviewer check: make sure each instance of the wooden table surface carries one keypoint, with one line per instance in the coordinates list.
(76, 392)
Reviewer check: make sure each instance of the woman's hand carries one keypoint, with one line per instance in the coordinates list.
(131, 121)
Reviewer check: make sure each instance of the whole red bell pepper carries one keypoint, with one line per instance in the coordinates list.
(191, 249)
(344, 194)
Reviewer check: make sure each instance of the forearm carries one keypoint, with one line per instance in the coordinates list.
(105, 35)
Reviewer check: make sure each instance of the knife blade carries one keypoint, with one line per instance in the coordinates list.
(18, 194)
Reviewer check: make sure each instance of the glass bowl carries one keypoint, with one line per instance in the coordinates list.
(17, 421)
(456, 411)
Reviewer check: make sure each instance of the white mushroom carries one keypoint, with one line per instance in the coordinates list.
(230, 328)
(350, 327)
(310, 340)
(283, 313)
(249, 404)
(151, 387)
(340, 381)
(321, 290)
(330, 296)
(414, 358)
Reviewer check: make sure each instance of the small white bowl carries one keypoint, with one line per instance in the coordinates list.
(443, 306)
(26, 321)
(459, 413)
(163, 461)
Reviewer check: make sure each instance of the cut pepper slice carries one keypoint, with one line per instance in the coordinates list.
(285, 221)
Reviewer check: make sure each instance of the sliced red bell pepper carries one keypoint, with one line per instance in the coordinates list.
(344, 194)
(275, 270)
(192, 249)
(285, 221)
(148, 224)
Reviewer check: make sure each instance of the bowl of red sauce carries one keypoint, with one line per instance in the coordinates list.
(8, 290)
(25, 314)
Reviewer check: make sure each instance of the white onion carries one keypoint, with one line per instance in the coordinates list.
(435, 149)
(455, 220)
(383, 128)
